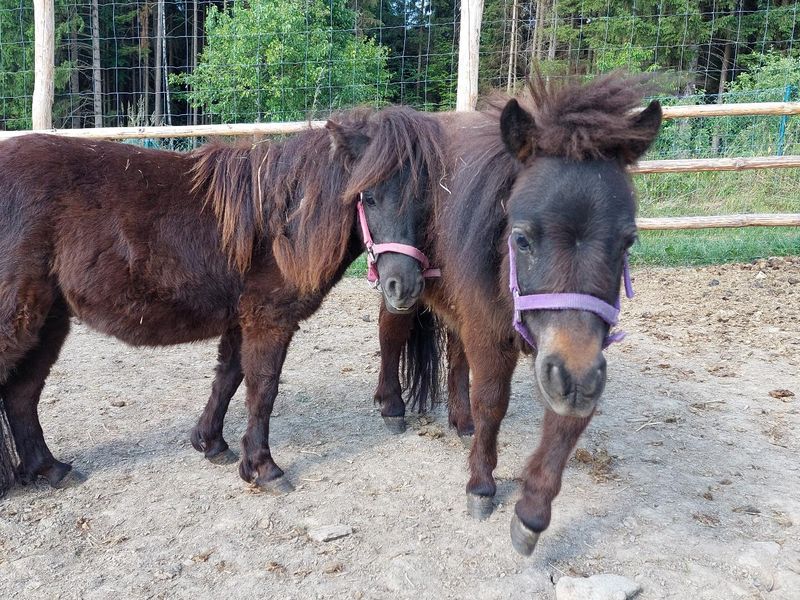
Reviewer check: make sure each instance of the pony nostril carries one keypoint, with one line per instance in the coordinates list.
(557, 377)
(391, 285)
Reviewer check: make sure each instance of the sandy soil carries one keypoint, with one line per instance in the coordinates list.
(688, 481)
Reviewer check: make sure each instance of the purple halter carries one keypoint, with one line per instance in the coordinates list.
(569, 301)
(373, 250)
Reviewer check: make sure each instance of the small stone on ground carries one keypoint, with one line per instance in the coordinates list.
(327, 533)
(596, 587)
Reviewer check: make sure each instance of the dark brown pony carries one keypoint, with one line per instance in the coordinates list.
(548, 172)
(159, 248)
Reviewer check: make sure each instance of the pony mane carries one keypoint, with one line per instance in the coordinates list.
(586, 120)
(400, 137)
(298, 194)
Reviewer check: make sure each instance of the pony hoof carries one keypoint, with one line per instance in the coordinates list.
(479, 507)
(279, 486)
(226, 457)
(395, 425)
(70, 479)
(522, 538)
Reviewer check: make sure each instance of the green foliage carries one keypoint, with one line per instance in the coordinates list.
(285, 60)
(16, 67)
(16, 64)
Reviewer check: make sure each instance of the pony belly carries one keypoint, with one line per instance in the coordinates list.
(154, 323)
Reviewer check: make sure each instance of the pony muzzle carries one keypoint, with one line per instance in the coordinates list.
(570, 368)
(401, 281)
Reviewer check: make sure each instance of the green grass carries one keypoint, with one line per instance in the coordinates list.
(714, 246)
(358, 268)
(717, 193)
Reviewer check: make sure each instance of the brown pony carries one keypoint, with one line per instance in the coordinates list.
(159, 248)
(545, 179)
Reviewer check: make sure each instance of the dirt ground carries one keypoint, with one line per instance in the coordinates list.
(688, 481)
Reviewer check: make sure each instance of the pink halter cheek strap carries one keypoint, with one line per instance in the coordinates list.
(373, 250)
(567, 301)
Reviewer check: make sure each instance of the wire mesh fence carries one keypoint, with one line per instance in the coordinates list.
(179, 62)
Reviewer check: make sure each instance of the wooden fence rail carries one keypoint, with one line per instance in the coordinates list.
(707, 222)
(236, 129)
(692, 165)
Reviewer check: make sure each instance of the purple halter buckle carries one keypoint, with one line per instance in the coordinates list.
(567, 301)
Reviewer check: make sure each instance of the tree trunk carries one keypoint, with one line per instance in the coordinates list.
(44, 64)
(74, 72)
(97, 74)
(468, 57)
(144, 51)
(194, 53)
(551, 50)
(165, 63)
(723, 77)
(419, 48)
(157, 60)
(512, 50)
(536, 51)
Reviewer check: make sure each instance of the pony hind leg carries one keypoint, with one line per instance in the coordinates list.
(393, 333)
(21, 392)
(207, 434)
(459, 412)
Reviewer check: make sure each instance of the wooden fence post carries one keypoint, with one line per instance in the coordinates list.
(44, 64)
(469, 38)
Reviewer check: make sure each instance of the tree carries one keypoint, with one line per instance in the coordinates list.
(285, 60)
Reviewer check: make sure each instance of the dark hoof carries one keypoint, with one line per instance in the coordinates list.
(197, 440)
(276, 487)
(226, 457)
(479, 507)
(523, 539)
(466, 431)
(395, 425)
(71, 478)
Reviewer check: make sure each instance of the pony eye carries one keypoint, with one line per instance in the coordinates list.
(368, 198)
(522, 242)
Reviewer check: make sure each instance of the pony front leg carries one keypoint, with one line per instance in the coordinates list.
(491, 387)
(263, 353)
(393, 333)
(542, 479)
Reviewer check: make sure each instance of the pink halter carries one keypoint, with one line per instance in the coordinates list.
(373, 250)
(570, 301)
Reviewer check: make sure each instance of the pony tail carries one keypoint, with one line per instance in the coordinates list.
(223, 175)
(420, 360)
(7, 453)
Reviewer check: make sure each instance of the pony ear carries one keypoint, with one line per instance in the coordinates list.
(518, 129)
(644, 131)
(346, 142)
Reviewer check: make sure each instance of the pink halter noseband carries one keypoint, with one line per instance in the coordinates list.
(569, 301)
(373, 250)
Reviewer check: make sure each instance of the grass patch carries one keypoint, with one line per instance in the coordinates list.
(358, 268)
(717, 193)
(714, 246)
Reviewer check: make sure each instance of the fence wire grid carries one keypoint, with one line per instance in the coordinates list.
(183, 62)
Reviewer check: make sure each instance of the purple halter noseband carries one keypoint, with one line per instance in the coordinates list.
(373, 250)
(569, 301)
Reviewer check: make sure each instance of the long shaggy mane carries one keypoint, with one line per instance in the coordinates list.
(298, 194)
